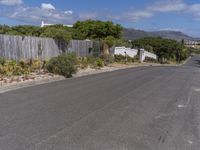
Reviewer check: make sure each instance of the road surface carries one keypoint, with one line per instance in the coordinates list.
(146, 108)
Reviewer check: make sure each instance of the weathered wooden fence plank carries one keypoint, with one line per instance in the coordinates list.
(25, 47)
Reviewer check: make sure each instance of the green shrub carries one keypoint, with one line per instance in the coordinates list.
(95, 62)
(22, 63)
(36, 65)
(150, 60)
(64, 64)
(2, 70)
(44, 64)
(108, 59)
(2, 60)
(91, 60)
(83, 62)
(11, 68)
(130, 59)
(120, 58)
(99, 63)
(22, 67)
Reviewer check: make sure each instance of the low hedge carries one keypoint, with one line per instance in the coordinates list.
(150, 60)
(65, 64)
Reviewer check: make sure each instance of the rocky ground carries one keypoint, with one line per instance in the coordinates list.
(5, 81)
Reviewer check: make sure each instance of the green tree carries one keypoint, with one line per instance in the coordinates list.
(123, 42)
(4, 29)
(57, 32)
(166, 49)
(91, 29)
(109, 41)
(25, 30)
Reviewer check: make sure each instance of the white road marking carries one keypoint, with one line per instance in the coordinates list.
(188, 100)
(160, 116)
(164, 115)
(181, 106)
(189, 97)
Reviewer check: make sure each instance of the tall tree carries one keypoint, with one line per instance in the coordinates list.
(91, 29)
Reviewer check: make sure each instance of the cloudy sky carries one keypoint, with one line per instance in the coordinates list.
(180, 15)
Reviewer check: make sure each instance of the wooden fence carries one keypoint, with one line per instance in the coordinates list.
(25, 47)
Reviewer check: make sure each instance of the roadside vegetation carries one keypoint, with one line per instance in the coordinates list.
(23, 67)
(22, 70)
(81, 30)
(65, 65)
(58, 32)
(108, 33)
(167, 50)
(123, 59)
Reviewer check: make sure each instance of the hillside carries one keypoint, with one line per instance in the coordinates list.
(133, 34)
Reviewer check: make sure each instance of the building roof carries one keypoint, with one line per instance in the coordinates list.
(43, 24)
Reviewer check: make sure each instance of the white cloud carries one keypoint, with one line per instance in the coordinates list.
(35, 15)
(68, 12)
(174, 6)
(168, 6)
(47, 6)
(11, 2)
(171, 29)
(132, 16)
(137, 15)
(195, 10)
(88, 15)
(50, 14)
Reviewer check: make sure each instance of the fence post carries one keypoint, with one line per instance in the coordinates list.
(142, 57)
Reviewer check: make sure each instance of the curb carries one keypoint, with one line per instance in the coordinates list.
(186, 60)
(17, 86)
(29, 84)
(118, 68)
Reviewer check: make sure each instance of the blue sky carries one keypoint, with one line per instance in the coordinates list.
(151, 15)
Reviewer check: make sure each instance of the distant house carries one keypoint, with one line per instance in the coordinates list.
(43, 24)
(191, 43)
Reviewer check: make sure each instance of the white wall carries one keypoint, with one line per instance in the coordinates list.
(133, 52)
(151, 55)
(144, 54)
(121, 51)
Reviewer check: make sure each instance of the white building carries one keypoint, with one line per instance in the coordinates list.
(133, 52)
(125, 51)
(43, 24)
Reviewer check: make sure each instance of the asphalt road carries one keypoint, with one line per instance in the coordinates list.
(146, 108)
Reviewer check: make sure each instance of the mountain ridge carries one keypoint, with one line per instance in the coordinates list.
(134, 34)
